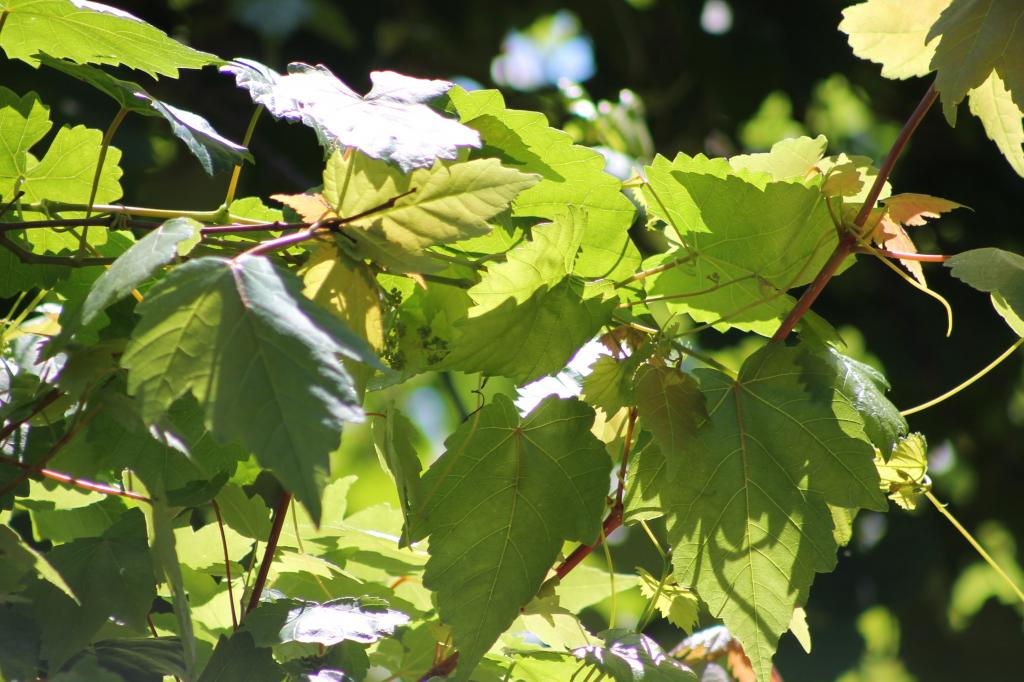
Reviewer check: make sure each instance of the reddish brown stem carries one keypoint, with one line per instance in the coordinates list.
(76, 482)
(268, 553)
(227, 561)
(903, 255)
(37, 467)
(611, 523)
(848, 242)
(442, 668)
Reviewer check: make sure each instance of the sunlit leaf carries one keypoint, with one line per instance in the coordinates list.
(93, 33)
(391, 122)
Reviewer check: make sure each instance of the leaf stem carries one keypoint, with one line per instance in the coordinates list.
(849, 242)
(627, 444)
(687, 294)
(442, 668)
(236, 172)
(227, 561)
(108, 136)
(903, 255)
(37, 467)
(975, 544)
(611, 523)
(30, 258)
(923, 289)
(952, 392)
(643, 274)
(268, 553)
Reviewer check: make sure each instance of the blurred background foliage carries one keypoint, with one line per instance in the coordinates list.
(910, 600)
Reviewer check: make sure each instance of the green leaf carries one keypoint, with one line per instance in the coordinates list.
(671, 406)
(238, 659)
(132, 268)
(16, 277)
(747, 241)
(865, 387)
(18, 558)
(258, 356)
(610, 383)
(23, 122)
(676, 604)
(245, 515)
(111, 574)
(215, 153)
(394, 437)
(137, 658)
(978, 37)
(644, 478)
(792, 159)
(589, 585)
(749, 518)
(894, 34)
(391, 122)
(93, 33)
(531, 313)
(994, 271)
(167, 561)
(327, 624)
(513, 489)
(633, 657)
(571, 175)
(1002, 118)
(443, 203)
(902, 475)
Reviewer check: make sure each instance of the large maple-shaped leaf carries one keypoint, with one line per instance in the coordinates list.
(92, 33)
(513, 490)
(436, 205)
(261, 359)
(747, 241)
(111, 574)
(531, 313)
(974, 45)
(215, 152)
(671, 407)
(749, 518)
(571, 175)
(391, 122)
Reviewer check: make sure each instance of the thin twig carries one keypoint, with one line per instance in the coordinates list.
(442, 668)
(623, 466)
(611, 523)
(227, 561)
(268, 553)
(37, 467)
(236, 172)
(849, 242)
(76, 482)
(30, 258)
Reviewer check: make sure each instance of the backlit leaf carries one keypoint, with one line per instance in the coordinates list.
(258, 356)
(750, 524)
(1003, 119)
(902, 473)
(514, 489)
(748, 241)
(571, 175)
(671, 406)
(676, 604)
(894, 34)
(531, 313)
(391, 122)
(327, 624)
(795, 158)
(93, 33)
(393, 438)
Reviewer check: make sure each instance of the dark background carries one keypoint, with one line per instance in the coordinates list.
(697, 87)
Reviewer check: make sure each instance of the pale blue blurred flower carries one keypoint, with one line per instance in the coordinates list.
(549, 51)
